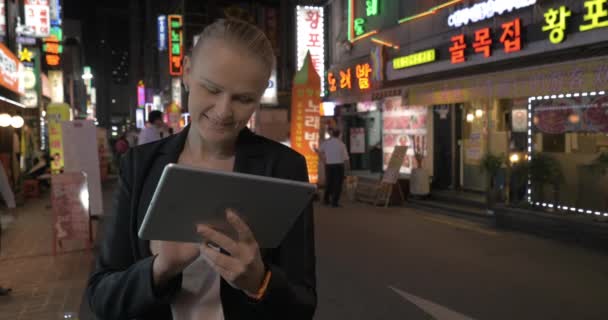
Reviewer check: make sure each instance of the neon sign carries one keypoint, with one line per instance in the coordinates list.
(162, 33)
(372, 7)
(52, 47)
(415, 59)
(556, 23)
(510, 38)
(485, 10)
(358, 76)
(362, 72)
(597, 15)
(176, 45)
(141, 94)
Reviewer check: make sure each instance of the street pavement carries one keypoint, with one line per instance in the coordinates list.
(372, 263)
(402, 263)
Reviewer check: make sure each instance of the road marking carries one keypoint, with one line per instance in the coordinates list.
(437, 311)
(461, 225)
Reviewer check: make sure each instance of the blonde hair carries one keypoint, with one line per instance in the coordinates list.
(241, 33)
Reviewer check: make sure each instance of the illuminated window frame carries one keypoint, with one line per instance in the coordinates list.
(530, 147)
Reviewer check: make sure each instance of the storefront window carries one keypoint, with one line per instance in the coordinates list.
(569, 134)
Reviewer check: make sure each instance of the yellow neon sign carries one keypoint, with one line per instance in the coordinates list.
(415, 59)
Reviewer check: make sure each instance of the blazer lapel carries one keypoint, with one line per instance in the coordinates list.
(250, 155)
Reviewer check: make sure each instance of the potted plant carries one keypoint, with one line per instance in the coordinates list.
(545, 170)
(419, 178)
(491, 164)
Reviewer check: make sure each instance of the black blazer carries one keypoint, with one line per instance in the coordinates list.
(121, 286)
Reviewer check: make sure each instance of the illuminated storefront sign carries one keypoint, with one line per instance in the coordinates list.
(55, 12)
(56, 84)
(162, 33)
(486, 10)
(510, 39)
(141, 94)
(357, 77)
(37, 17)
(596, 16)
(310, 38)
(176, 45)
(415, 59)
(53, 48)
(56, 113)
(556, 24)
(10, 69)
(28, 41)
(176, 91)
(25, 55)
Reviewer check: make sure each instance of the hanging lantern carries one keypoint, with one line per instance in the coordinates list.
(470, 117)
(478, 113)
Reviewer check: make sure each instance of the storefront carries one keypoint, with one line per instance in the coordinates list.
(481, 79)
(356, 114)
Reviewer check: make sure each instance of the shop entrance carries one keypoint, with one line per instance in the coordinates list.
(447, 129)
(370, 124)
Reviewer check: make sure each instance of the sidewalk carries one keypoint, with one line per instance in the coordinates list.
(44, 286)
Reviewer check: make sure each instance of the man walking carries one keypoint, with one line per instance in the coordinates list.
(335, 156)
(156, 130)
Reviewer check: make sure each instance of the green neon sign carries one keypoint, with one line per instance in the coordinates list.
(372, 7)
(415, 59)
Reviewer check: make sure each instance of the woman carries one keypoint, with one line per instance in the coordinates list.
(225, 78)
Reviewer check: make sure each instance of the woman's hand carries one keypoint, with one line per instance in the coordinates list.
(244, 267)
(172, 258)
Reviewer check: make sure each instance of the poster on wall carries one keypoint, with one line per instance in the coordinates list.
(56, 113)
(357, 140)
(305, 116)
(404, 126)
(474, 144)
(81, 154)
(519, 120)
(56, 84)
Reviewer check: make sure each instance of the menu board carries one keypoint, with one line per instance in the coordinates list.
(403, 126)
(70, 202)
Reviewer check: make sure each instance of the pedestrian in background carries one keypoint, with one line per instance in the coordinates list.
(155, 130)
(335, 157)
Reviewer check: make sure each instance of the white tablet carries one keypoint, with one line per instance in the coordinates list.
(187, 196)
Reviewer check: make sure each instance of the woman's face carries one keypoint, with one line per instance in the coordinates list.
(225, 85)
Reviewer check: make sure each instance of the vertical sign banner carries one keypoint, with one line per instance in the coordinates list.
(38, 17)
(55, 12)
(56, 113)
(2, 18)
(176, 91)
(162, 33)
(70, 203)
(311, 38)
(81, 154)
(305, 117)
(10, 70)
(176, 45)
(56, 84)
(141, 94)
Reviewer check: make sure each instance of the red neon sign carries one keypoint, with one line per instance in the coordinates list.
(457, 49)
(511, 36)
(483, 42)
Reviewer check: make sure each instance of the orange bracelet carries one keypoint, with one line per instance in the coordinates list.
(260, 294)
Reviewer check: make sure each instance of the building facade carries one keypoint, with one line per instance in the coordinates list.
(456, 81)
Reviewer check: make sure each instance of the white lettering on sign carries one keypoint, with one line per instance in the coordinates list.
(486, 10)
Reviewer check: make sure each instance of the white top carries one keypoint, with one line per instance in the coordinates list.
(199, 298)
(148, 134)
(335, 151)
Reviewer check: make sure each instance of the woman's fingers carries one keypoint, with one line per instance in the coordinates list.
(218, 238)
(226, 265)
(244, 233)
